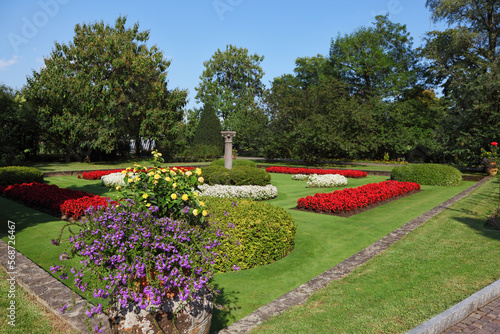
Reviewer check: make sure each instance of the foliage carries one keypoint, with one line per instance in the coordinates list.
(19, 128)
(256, 193)
(262, 233)
(427, 174)
(173, 191)
(488, 157)
(377, 60)
(136, 256)
(232, 84)
(237, 176)
(196, 153)
(236, 163)
(326, 181)
(208, 130)
(17, 174)
(463, 60)
(104, 87)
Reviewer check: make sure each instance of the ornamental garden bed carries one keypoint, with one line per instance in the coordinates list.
(250, 289)
(297, 170)
(350, 201)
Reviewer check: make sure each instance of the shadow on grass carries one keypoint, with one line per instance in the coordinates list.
(478, 225)
(222, 317)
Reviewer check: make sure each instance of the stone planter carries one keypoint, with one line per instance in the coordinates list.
(491, 169)
(195, 318)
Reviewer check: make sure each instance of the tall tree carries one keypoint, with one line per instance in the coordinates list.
(208, 130)
(376, 60)
(105, 87)
(232, 84)
(464, 60)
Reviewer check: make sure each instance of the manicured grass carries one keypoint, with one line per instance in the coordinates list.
(30, 315)
(322, 240)
(436, 266)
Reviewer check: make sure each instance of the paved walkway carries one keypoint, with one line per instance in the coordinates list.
(483, 321)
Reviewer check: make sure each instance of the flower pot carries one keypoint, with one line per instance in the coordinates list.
(491, 169)
(195, 317)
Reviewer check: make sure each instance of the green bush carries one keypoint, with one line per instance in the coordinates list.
(428, 174)
(237, 176)
(262, 233)
(17, 174)
(200, 153)
(236, 163)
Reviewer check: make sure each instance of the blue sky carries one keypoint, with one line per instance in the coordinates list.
(189, 32)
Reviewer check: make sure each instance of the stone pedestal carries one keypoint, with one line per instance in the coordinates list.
(228, 148)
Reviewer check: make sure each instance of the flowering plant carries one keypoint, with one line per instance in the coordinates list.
(489, 157)
(135, 255)
(174, 191)
(326, 181)
(257, 193)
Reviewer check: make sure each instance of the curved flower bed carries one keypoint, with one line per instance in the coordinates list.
(298, 170)
(351, 199)
(71, 203)
(257, 193)
(326, 181)
(97, 174)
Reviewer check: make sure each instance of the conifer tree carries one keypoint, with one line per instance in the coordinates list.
(208, 131)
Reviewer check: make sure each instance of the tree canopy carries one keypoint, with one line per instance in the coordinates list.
(106, 86)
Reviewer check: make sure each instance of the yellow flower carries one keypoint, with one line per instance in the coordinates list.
(168, 179)
(130, 180)
(124, 172)
(202, 203)
(173, 196)
(185, 197)
(195, 193)
(118, 188)
(145, 196)
(198, 171)
(151, 173)
(148, 205)
(174, 185)
(128, 168)
(195, 212)
(159, 154)
(155, 182)
(157, 176)
(204, 213)
(188, 173)
(201, 180)
(137, 178)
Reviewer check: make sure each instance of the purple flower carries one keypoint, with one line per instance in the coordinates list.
(63, 309)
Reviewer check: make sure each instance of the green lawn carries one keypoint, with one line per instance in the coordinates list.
(436, 266)
(322, 240)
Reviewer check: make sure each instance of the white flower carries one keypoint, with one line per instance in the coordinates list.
(326, 181)
(113, 180)
(300, 177)
(253, 192)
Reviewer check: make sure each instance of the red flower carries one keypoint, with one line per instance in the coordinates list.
(291, 170)
(494, 143)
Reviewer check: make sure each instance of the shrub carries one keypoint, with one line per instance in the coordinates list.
(200, 153)
(257, 193)
(236, 163)
(262, 233)
(326, 181)
(428, 174)
(237, 176)
(17, 174)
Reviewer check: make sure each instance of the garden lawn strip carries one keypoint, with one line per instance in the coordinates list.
(429, 270)
(322, 241)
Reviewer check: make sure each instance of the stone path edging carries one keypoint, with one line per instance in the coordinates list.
(459, 311)
(302, 293)
(53, 294)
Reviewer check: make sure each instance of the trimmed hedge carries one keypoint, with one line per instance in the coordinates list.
(236, 163)
(262, 233)
(428, 174)
(236, 176)
(18, 174)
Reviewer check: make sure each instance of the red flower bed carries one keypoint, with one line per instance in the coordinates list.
(351, 199)
(72, 203)
(295, 170)
(97, 174)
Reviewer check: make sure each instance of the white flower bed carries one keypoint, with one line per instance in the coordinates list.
(300, 177)
(326, 181)
(113, 180)
(254, 192)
